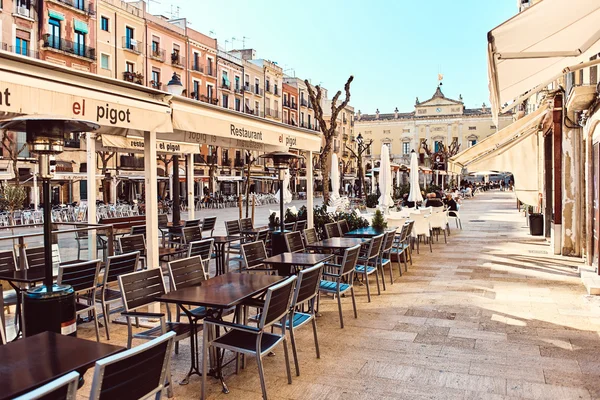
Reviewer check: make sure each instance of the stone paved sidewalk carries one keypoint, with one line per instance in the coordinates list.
(490, 315)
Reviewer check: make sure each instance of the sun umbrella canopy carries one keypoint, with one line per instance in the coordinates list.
(415, 190)
(335, 180)
(385, 178)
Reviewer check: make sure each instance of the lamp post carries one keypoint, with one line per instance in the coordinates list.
(281, 162)
(175, 87)
(49, 307)
(362, 147)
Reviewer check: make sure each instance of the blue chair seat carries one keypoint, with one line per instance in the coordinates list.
(299, 319)
(361, 269)
(385, 261)
(330, 286)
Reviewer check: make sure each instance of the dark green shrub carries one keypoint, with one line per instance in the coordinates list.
(372, 200)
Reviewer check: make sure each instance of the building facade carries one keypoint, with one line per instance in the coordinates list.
(290, 104)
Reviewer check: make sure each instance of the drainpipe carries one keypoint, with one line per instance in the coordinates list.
(116, 39)
(557, 138)
(40, 12)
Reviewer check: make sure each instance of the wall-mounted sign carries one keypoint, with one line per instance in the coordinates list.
(136, 145)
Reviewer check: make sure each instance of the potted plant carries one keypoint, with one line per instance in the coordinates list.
(273, 221)
(371, 202)
(13, 197)
(378, 222)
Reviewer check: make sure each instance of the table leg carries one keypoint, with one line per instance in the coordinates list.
(18, 310)
(194, 368)
(218, 252)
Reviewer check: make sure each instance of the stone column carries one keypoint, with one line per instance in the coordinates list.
(309, 190)
(92, 192)
(190, 186)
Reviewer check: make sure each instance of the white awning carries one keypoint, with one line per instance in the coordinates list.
(514, 149)
(131, 144)
(534, 47)
(197, 122)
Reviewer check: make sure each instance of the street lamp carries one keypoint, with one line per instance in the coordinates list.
(175, 87)
(281, 162)
(49, 307)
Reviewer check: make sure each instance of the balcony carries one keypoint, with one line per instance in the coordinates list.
(247, 87)
(23, 11)
(226, 162)
(345, 137)
(198, 68)
(352, 122)
(226, 86)
(303, 103)
(345, 153)
(134, 77)
(310, 105)
(238, 90)
(177, 60)
(293, 106)
(268, 89)
(20, 50)
(156, 53)
(209, 100)
(336, 149)
(344, 120)
(276, 91)
(130, 44)
(270, 112)
(258, 91)
(131, 162)
(286, 103)
(352, 138)
(238, 162)
(69, 47)
(81, 6)
(156, 85)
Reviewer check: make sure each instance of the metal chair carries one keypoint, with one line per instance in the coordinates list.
(262, 235)
(294, 242)
(250, 340)
(208, 225)
(344, 228)
(385, 258)
(367, 264)
(82, 238)
(192, 234)
(83, 278)
(203, 249)
(300, 226)
(341, 282)
(163, 227)
(138, 230)
(176, 233)
(246, 224)
(289, 226)
(8, 263)
(233, 229)
(115, 266)
(138, 373)
(332, 230)
(35, 258)
(133, 243)
(254, 253)
(310, 236)
(141, 289)
(64, 387)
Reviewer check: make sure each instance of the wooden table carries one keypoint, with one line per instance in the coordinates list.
(218, 293)
(284, 262)
(34, 361)
(220, 243)
(337, 243)
(29, 276)
(368, 232)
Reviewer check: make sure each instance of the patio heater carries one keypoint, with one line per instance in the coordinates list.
(281, 162)
(49, 307)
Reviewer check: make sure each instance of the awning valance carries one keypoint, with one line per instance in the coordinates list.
(196, 122)
(132, 144)
(29, 86)
(535, 46)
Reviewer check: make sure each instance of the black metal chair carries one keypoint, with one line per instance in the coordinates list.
(289, 226)
(192, 234)
(163, 227)
(64, 387)
(332, 230)
(338, 283)
(115, 266)
(310, 236)
(35, 257)
(139, 373)
(294, 242)
(82, 238)
(254, 253)
(300, 226)
(368, 264)
(8, 263)
(133, 243)
(138, 230)
(204, 249)
(208, 225)
(83, 278)
(343, 226)
(262, 235)
(246, 224)
(250, 340)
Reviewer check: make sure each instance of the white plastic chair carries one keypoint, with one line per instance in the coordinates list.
(437, 221)
(455, 215)
(421, 229)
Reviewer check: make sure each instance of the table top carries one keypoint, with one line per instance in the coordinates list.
(222, 291)
(368, 232)
(226, 239)
(30, 275)
(300, 259)
(34, 361)
(170, 251)
(338, 243)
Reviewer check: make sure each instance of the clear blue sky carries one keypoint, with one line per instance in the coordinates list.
(394, 48)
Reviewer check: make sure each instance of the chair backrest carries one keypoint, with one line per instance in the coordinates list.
(246, 224)
(232, 227)
(254, 253)
(294, 242)
(277, 303)
(349, 261)
(163, 220)
(343, 226)
(192, 234)
(192, 222)
(388, 240)
(421, 225)
(186, 272)
(289, 226)
(409, 228)
(119, 265)
(375, 247)
(137, 373)
(132, 243)
(262, 235)
(300, 225)
(82, 276)
(208, 224)
(8, 261)
(307, 287)
(81, 235)
(138, 230)
(34, 256)
(332, 230)
(202, 248)
(64, 387)
(141, 288)
(310, 235)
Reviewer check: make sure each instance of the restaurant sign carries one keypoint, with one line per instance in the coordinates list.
(136, 145)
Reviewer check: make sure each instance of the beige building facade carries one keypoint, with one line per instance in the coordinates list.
(437, 121)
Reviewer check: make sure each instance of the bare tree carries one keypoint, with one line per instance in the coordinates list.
(105, 157)
(328, 130)
(358, 154)
(9, 143)
(166, 160)
(211, 162)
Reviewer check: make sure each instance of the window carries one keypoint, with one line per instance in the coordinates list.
(155, 78)
(256, 108)
(238, 105)
(275, 90)
(79, 4)
(389, 146)
(79, 43)
(256, 86)
(196, 93)
(285, 100)
(54, 31)
(472, 128)
(237, 83)
(209, 92)
(246, 82)
(129, 66)
(406, 148)
(209, 66)
(493, 127)
(104, 23)
(129, 40)
(196, 61)
(22, 47)
(104, 61)
(268, 85)
(155, 46)
(302, 119)
(225, 101)
(225, 79)
(438, 146)
(472, 142)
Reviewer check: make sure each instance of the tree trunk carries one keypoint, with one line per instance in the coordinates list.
(106, 190)
(361, 179)
(16, 171)
(247, 190)
(326, 171)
